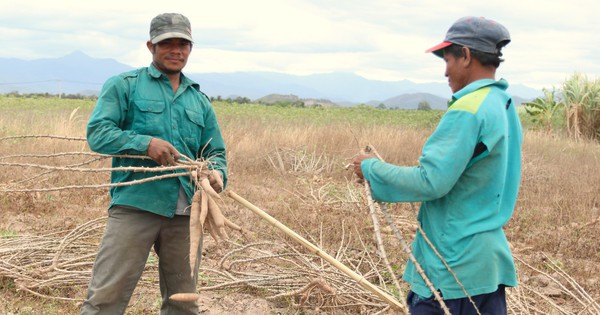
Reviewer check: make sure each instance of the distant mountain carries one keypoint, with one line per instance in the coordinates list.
(71, 74)
(412, 100)
(293, 99)
(78, 73)
(339, 87)
(275, 98)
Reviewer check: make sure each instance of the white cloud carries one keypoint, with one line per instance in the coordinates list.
(379, 39)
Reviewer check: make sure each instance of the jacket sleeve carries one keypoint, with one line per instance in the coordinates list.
(105, 131)
(445, 156)
(213, 148)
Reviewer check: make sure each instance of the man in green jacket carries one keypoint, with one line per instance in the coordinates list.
(160, 113)
(467, 179)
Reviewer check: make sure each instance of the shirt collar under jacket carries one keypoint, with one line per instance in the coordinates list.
(185, 81)
(476, 85)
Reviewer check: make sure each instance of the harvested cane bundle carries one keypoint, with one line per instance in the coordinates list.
(206, 214)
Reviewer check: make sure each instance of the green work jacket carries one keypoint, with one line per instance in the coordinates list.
(139, 105)
(467, 182)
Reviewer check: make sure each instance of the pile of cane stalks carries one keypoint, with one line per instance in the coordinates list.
(57, 265)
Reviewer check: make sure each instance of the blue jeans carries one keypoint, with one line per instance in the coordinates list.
(488, 304)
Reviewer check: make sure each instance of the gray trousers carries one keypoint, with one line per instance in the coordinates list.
(121, 259)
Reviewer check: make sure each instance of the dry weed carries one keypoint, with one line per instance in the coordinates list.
(296, 172)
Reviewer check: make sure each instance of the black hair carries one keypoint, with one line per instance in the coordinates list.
(486, 59)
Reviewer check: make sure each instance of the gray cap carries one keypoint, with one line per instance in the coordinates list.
(477, 33)
(170, 25)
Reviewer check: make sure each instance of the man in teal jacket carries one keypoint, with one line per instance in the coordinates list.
(160, 113)
(467, 179)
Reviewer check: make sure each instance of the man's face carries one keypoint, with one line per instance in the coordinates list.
(170, 55)
(456, 72)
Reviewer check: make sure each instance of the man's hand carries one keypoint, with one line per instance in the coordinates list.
(216, 180)
(162, 152)
(357, 160)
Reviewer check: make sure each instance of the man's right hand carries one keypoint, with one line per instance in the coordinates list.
(357, 164)
(162, 152)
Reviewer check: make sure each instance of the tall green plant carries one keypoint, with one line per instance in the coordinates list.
(582, 98)
(543, 109)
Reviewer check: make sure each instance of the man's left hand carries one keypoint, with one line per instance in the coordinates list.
(216, 180)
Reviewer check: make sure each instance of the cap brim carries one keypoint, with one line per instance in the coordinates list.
(164, 36)
(437, 49)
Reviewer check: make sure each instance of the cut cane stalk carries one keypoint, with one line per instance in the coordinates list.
(184, 297)
(215, 213)
(211, 230)
(232, 225)
(203, 208)
(205, 184)
(195, 228)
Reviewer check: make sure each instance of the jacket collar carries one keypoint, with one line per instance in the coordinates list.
(185, 81)
(476, 85)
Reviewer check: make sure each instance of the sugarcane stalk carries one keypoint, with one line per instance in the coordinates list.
(393, 302)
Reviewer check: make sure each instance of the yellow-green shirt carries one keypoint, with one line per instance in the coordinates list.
(467, 181)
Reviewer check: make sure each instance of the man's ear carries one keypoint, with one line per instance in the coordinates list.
(150, 46)
(466, 52)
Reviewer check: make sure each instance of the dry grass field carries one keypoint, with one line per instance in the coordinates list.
(289, 162)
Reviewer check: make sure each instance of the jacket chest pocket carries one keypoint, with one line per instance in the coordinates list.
(193, 126)
(149, 117)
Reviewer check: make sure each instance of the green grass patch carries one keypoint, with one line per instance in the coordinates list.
(233, 112)
(43, 103)
(361, 115)
(5, 234)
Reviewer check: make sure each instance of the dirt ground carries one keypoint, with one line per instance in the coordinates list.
(555, 228)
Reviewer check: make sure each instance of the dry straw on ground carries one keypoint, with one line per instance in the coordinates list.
(57, 264)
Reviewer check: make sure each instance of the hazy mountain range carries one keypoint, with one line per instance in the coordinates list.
(78, 73)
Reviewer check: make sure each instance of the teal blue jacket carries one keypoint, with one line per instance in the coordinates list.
(139, 105)
(467, 182)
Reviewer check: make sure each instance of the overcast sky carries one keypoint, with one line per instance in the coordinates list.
(377, 39)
